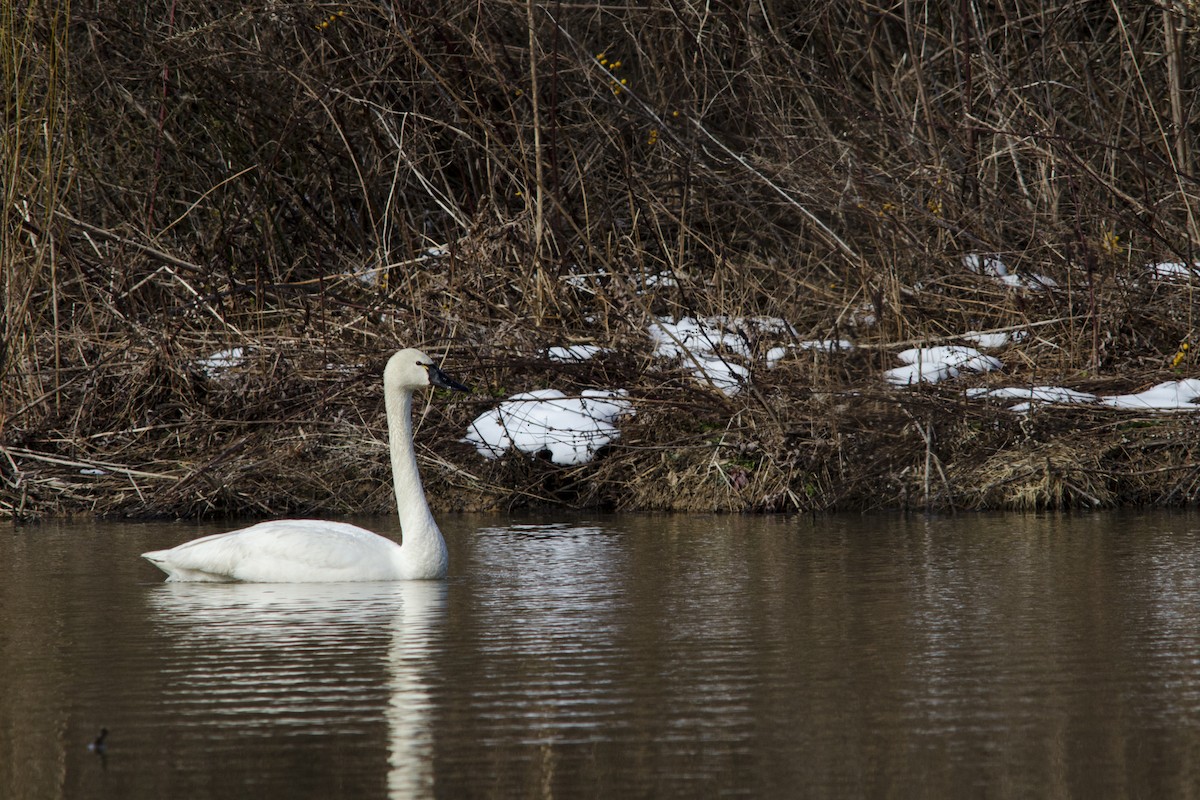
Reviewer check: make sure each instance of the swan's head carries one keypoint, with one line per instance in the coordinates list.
(411, 369)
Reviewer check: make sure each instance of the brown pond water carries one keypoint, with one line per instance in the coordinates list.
(619, 656)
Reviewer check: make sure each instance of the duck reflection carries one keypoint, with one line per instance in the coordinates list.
(326, 659)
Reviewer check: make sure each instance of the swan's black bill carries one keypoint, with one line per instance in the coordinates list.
(444, 381)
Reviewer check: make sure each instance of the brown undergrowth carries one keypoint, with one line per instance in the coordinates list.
(319, 184)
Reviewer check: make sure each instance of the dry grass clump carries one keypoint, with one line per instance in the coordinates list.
(1045, 476)
(320, 184)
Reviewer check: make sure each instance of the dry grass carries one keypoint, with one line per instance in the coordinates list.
(319, 184)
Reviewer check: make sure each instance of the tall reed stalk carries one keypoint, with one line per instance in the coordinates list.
(35, 159)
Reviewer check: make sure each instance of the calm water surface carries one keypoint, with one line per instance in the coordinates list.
(625, 656)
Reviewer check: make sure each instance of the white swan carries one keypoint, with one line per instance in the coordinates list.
(308, 550)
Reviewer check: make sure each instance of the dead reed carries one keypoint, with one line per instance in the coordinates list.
(320, 184)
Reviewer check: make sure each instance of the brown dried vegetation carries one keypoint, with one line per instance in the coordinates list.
(320, 184)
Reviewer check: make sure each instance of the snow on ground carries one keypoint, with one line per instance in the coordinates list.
(993, 266)
(1174, 271)
(933, 364)
(696, 343)
(1031, 395)
(991, 341)
(646, 281)
(776, 354)
(572, 429)
(221, 360)
(1170, 396)
(343, 369)
(654, 280)
(828, 345)
(713, 346)
(575, 352)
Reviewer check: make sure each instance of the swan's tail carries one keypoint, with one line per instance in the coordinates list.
(159, 559)
(176, 574)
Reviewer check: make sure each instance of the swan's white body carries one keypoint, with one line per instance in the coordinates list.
(304, 550)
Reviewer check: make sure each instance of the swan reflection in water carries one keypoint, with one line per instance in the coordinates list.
(274, 659)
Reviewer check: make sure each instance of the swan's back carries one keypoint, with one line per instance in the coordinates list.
(283, 551)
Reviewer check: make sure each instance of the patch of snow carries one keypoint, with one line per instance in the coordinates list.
(575, 352)
(828, 345)
(221, 360)
(1034, 282)
(583, 280)
(988, 341)
(992, 266)
(572, 429)
(1033, 394)
(933, 364)
(1170, 396)
(991, 341)
(925, 372)
(663, 279)
(1174, 271)
(727, 377)
(369, 276)
(1046, 394)
(864, 316)
(775, 355)
(343, 369)
(704, 344)
(1180, 395)
(763, 324)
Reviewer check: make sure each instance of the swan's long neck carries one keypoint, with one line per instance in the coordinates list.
(422, 550)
